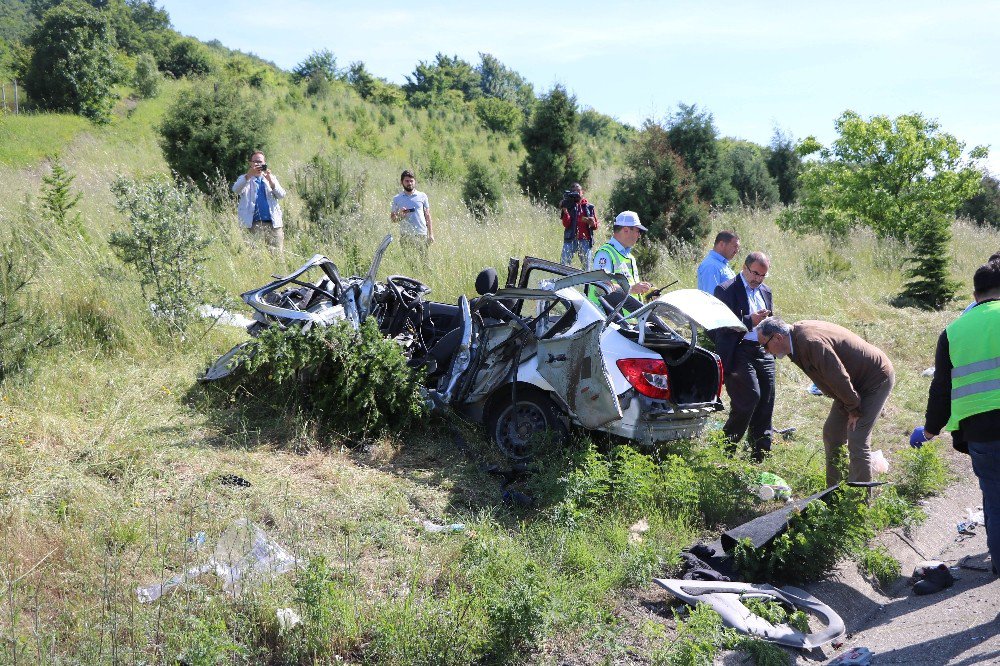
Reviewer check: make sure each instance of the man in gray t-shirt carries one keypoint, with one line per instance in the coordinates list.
(413, 211)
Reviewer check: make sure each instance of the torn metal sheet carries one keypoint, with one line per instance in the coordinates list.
(726, 600)
(763, 529)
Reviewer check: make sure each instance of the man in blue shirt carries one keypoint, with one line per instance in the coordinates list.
(714, 269)
(748, 369)
(258, 209)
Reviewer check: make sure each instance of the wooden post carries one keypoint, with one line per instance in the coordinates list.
(16, 109)
(3, 95)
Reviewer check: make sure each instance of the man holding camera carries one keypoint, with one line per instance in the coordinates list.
(579, 221)
(412, 210)
(258, 207)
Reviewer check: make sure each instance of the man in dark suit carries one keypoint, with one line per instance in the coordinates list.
(748, 368)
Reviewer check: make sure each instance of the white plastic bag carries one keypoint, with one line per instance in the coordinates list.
(879, 463)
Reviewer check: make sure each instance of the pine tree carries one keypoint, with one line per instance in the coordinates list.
(929, 285)
(58, 200)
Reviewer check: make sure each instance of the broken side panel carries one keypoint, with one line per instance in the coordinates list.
(574, 366)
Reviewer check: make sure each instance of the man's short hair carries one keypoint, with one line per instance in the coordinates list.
(756, 258)
(773, 326)
(406, 174)
(726, 237)
(994, 257)
(986, 281)
(256, 152)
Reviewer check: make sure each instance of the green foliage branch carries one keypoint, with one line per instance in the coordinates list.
(552, 164)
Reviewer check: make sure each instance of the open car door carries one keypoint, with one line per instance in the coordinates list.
(574, 365)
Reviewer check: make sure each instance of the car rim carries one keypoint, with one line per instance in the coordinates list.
(516, 427)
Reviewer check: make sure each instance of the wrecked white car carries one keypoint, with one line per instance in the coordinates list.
(536, 355)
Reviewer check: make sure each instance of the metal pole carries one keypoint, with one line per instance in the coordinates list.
(3, 95)
(16, 109)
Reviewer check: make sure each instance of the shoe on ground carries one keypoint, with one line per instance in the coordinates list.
(932, 579)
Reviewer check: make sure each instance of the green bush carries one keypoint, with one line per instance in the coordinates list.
(922, 472)
(499, 115)
(984, 206)
(481, 190)
(186, 57)
(355, 381)
(24, 327)
(147, 78)
(877, 563)
(327, 191)
(212, 129)
(164, 245)
(58, 201)
(553, 162)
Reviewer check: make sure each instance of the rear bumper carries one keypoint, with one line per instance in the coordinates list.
(649, 421)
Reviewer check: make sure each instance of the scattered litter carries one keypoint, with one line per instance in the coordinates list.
(966, 528)
(437, 529)
(968, 562)
(224, 316)
(244, 552)
(929, 372)
(932, 577)
(813, 389)
(636, 531)
(786, 433)
(233, 480)
(287, 618)
(772, 487)
(878, 462)
(975, 515)
(858, 656)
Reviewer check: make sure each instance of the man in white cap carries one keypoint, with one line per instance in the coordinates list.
(615, 256)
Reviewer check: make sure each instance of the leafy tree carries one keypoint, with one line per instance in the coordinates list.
(784, 165)
(376, 90)
(693, 136)
(499, 115)
(601, 126)
(984, 206)
(186, 57)
(212, 129)
(551, 164)
(885, 174)
(902, 178)
(658, 186)
(430, 81)
(318, 64)
(16, 22)
(498, 81)
(147, 78)
(748, 174)
(73, 66)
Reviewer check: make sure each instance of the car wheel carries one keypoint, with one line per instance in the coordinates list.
(514, 427)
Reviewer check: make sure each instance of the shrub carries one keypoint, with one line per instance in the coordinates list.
(830, 265)
(23, 326)
(164, 245)
(922, 472)
(147, 79)
(552, 163)
(327, 191)
(784, 164)
(212, 129)
(318, 64)
(877, 563)
(481, 190)
(499, 115)
(58, 201)
(748, 175)
(984, 206)
(355, 381)
(186, 57)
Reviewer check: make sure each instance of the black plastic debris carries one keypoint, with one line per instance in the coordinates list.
(233, 480)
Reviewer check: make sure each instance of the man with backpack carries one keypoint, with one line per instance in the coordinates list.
(579, 221)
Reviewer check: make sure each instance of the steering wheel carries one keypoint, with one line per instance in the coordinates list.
(401, 282)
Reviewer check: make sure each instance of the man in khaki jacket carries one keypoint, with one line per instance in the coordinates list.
(856, 374)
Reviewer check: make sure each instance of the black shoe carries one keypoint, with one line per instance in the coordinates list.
(932, 579)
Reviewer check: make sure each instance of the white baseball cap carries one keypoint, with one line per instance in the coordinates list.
(628, 218)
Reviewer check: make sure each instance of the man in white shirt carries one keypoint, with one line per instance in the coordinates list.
(412, 210)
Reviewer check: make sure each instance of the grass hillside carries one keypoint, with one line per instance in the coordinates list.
(111, 454)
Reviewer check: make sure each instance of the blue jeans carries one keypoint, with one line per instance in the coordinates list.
(581, 248)
(986, 465)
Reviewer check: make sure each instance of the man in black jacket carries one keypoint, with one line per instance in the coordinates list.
(748, 369)
(964, 396)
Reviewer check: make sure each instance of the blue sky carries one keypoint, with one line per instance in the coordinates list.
(754, 65)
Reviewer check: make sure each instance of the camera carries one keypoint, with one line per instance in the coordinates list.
(570, 197)
(263, 167)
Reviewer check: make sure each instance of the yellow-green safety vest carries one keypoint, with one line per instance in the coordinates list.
(620, 263)
(974, 348)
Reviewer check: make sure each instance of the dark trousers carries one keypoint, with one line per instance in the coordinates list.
(750, 385)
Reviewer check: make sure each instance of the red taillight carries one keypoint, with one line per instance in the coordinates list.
(648, 376)
(718, 362)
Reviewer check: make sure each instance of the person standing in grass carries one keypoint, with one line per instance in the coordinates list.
(412, 210)
(856, 374)
(258, 209)
(615, 256)
(964, 397)
(579, 221)
(748, 370)
(714, 268)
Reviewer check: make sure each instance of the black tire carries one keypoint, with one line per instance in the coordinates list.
(535, 415)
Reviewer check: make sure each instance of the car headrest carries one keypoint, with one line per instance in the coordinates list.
(486, 281)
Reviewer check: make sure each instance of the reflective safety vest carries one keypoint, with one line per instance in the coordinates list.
(620, 263)
(974, 349)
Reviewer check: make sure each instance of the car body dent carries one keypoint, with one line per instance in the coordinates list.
(706, 310)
